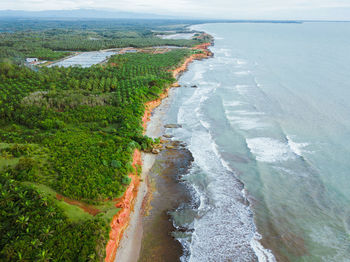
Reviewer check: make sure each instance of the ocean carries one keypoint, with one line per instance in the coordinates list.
(268, 125)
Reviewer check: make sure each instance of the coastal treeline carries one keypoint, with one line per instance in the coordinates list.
(20, 40)
(70, 133)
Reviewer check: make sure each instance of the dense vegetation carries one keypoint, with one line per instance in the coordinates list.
(71, 131)
(77, 114)
(33, 228)
(36, 39)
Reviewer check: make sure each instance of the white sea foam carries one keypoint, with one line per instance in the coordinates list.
(248, 113)
(203, 98)
(285, 170)
(257, 83)
(225, 60)
(240, 61)
(214, 146)
(242, 89)
(263, 254)
(270, 146)
(269, 150)
(297, 148)
(224, 51)
(246, 123)
(224, 226)
(198, 75)
(232, 103)
(226, 221)
(205, 124)
(222, 216)
(242, 73)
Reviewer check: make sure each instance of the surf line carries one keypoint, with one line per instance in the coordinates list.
(126, 203)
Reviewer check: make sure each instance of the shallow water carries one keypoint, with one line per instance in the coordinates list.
(178, 36)
(166, 193)
(270, 122)
(85, 59)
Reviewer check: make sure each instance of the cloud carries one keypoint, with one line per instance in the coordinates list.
(231, 9)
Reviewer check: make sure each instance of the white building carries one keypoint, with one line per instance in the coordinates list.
(32, 60)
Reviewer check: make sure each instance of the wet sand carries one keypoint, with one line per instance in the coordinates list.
(148, 236)
(130, 244)
(168, 193)
(165, 193)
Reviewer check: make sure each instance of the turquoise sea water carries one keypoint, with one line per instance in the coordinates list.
(269, 122)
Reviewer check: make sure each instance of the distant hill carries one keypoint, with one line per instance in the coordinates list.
(80, 13)
(91, 14)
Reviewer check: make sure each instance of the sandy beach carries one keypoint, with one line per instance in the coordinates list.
(130, 243)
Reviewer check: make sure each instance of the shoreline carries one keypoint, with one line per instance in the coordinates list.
(126, 226)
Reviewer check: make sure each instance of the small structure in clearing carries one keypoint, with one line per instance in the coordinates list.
(32, 60)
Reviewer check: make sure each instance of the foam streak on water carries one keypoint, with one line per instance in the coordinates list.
(222, 222)
(269, 150)
(271, 110)
(222, 208)
(263, 254)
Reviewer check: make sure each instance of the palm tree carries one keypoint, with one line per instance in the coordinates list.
(44, 256)
(46, 232)
(51, 212)
(20, 257)
(23, 221)
(36, 243)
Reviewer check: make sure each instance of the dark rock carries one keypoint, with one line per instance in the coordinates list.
(155, 151)
(176, 143)
(158, 146)
(162, 141)
(173, 126)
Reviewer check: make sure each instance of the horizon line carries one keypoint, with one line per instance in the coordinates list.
(172, 17)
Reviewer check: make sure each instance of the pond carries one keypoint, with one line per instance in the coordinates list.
(178, 36)
(85, 59)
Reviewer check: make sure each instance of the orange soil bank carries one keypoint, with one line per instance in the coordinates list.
(87, 208)
(121, 219)
(205, 54)
(152, 105)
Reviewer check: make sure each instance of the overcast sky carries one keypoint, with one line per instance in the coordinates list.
(229, 9)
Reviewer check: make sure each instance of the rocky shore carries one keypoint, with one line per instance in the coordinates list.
(167, 193)
(126, 227)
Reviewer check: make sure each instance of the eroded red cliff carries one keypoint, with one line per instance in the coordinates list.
(126, 203)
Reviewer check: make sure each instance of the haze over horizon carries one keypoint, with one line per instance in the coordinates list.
(220, 9)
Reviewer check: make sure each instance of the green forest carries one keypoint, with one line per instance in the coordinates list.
(71, 132)
(19, 39)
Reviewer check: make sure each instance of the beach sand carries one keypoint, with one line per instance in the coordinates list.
(130, 244)
(167, 194)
